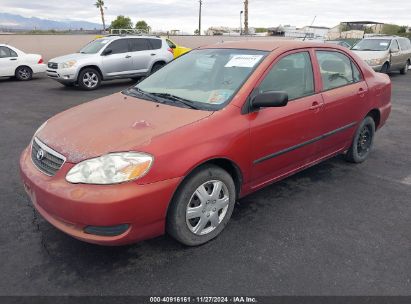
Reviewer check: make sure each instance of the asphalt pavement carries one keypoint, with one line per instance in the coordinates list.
(334, 229)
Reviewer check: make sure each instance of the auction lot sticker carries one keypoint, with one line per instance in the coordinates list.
(243, 61)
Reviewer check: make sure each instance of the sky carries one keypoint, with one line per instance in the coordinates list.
(183, 14)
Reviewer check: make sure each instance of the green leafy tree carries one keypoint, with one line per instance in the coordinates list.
(100, 5)
(143, 26)
(390, 29)
(121, 22)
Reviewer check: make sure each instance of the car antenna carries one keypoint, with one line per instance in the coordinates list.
(310, 26)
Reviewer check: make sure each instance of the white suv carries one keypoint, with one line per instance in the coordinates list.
(108, 58)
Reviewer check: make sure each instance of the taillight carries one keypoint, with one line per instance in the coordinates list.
(40, 61)
(171, 51)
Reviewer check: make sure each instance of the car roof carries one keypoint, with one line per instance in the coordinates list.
(269, 45)
(382, 37)
(115, 37)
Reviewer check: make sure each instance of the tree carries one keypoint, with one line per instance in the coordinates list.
(196, 32)
(390, 29)
(143, 26)
(100, 5)
(121, 22)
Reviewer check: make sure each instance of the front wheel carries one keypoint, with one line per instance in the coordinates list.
(24, 73)
(363, 141)
(89, 79)
(202, 206)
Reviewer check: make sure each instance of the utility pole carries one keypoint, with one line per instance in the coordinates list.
(241, 22)
(199, 18)
(246, 17)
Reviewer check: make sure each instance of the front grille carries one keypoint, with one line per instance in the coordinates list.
(53, 65)
(48, 161)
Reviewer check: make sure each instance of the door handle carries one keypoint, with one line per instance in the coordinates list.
(153, 54)
(315, 106)
(361, 92)
(128, 56)
(13, 58)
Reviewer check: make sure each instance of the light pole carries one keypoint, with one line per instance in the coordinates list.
(241, 22)
(199, 18)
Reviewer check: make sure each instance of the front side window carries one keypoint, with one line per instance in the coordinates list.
(394, 46)
(292, 74)
(139, 44)
(208, 78)
(337, 70)
(372, 45)
(119, 46)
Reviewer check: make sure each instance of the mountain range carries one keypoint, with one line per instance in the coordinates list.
(17, 22)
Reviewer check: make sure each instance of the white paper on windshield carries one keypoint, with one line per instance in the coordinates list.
(384, 43)
(244, 61)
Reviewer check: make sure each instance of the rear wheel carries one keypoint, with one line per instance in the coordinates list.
(24, 73)
(363, 141)
(385, 68)
(89, 79)
(157, 66)
(202, 206)
(404, 70)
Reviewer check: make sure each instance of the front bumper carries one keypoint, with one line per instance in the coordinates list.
(72, 208)
(63, 75)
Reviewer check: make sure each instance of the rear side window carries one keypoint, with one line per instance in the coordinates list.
(119, 46)
(139, 44)
(171, 44)
(405, 44)
(155, 43)
(337, 70)
(292, 74)
(6, 52)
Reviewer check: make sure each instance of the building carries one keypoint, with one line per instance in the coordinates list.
(354, 29)
(308, 32)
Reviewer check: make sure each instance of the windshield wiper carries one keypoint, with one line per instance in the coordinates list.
(181, 100)
(144, 93)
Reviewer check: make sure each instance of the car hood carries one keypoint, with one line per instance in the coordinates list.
(114, 123)
(368, 55)
(74, 56)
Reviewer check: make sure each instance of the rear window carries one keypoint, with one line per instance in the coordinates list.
(155, 43)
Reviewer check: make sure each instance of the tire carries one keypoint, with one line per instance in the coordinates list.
(24, 73)
(362, 142)
(213, 209)
(157, 66)
(404, 70)
(385, 68)
(89, 79)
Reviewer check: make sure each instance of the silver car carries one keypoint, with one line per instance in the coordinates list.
(108, 58)
(385, 53)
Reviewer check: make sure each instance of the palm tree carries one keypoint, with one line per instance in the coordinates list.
(100, 4)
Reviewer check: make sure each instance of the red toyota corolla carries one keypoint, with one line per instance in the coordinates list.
(175, 152)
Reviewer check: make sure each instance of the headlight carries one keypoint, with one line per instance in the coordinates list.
(68, 64)
(374, 62)
(112, 168)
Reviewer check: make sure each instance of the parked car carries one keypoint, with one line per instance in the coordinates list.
(385, 53)
(178, 50)
(16, 63)
(175, 153)
(339, 42)
(109, 58)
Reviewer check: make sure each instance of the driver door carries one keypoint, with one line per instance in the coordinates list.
(8, 61)
(284, 139)
(396, 57)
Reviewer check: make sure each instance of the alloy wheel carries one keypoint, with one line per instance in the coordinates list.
(364, 141)
(90, 80)
(24, 73)
(207, 207)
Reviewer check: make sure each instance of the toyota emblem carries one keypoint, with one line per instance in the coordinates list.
(40, 154)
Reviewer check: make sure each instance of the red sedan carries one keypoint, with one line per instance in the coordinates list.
(175, 152)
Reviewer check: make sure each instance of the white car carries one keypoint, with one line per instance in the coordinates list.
(15, 63)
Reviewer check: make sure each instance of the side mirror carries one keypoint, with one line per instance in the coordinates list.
(270, 99)
(107, 52)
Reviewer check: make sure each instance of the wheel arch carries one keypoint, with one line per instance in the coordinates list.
(90, 67)
(227, 164)
(22, 65)
(162, 61)
(376, 116)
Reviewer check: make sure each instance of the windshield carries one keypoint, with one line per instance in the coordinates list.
(372, 45)
(94, 46)
(206, 78)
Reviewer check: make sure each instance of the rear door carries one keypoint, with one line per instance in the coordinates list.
(142, 55)
(8, 61)
(285, 139)
(345, 95)
(119, 61)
